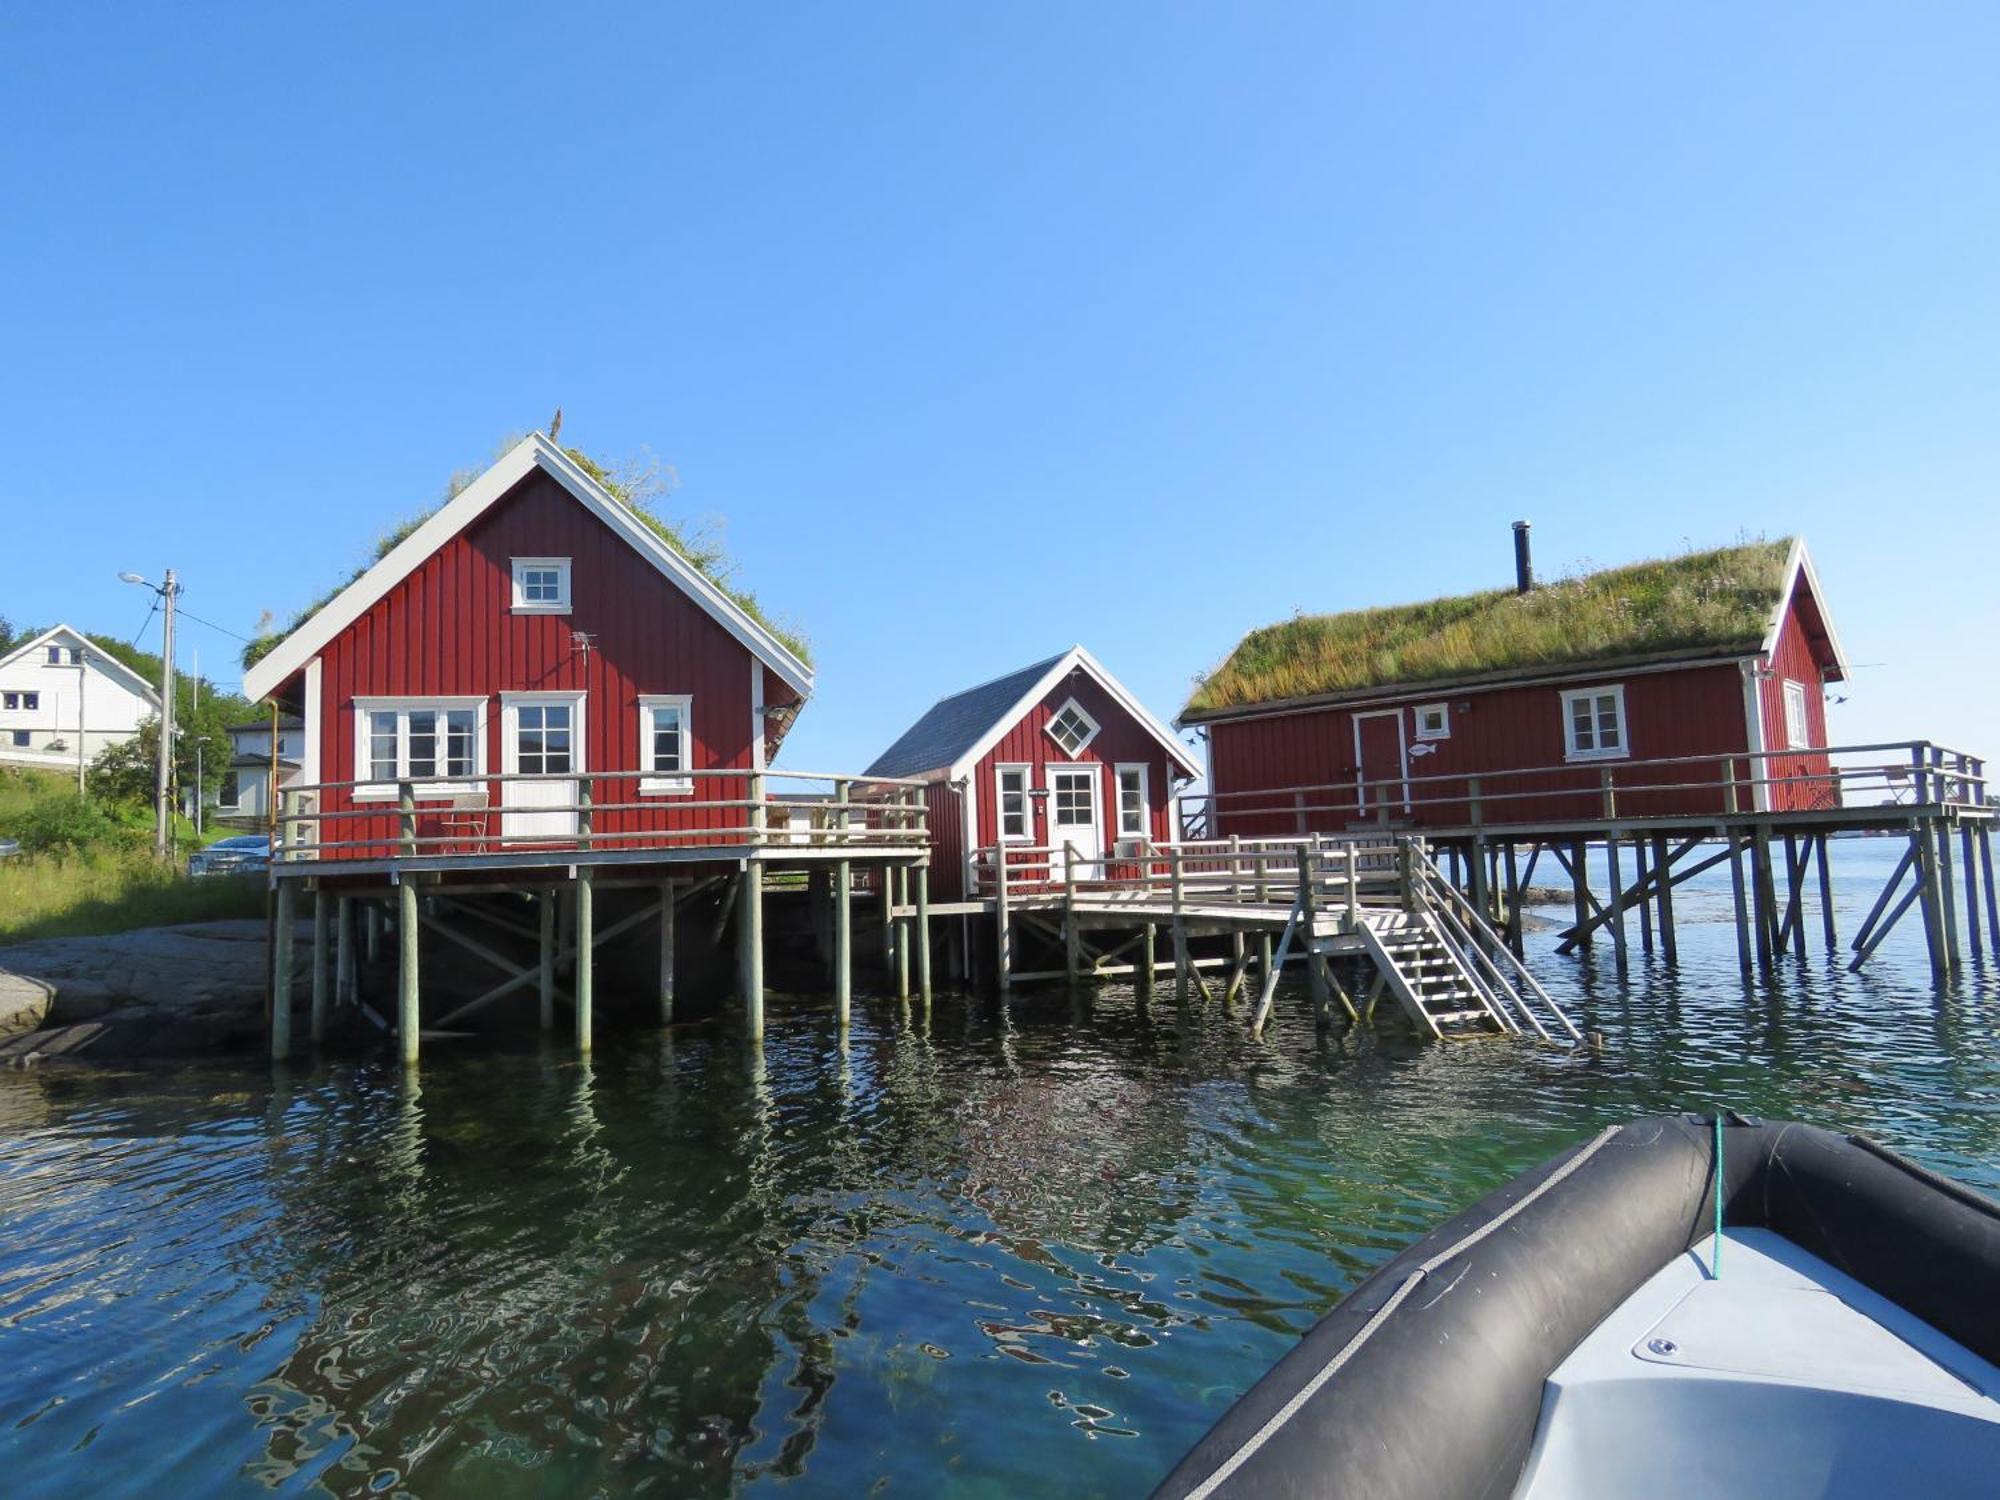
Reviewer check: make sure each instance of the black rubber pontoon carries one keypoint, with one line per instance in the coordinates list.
(1427, 1381)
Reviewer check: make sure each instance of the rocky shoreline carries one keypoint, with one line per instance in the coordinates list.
(186, 991)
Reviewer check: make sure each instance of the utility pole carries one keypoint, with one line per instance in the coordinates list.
(163, 831)
(82, 757)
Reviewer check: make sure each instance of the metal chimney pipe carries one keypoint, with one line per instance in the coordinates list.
(1524, 559)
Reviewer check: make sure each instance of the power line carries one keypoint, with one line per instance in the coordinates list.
(187, 614)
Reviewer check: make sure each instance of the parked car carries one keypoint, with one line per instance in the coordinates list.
(243, 854)
(9, 848)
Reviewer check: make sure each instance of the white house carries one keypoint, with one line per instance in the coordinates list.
(62, 698)
(243, 794)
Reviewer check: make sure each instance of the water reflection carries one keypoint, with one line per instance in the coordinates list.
(1021, 1247)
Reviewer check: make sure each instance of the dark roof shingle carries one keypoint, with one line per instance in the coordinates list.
(953, 725)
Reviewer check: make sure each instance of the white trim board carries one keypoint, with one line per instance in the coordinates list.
(532, 452)
(1075, 657)
(1800, 565)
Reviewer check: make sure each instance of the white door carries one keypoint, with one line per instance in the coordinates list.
(542, 738)
(1074, 817)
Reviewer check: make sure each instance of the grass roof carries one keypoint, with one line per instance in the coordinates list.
(1715, 600)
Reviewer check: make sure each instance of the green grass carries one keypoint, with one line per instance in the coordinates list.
(1715, 599)
(110, 890)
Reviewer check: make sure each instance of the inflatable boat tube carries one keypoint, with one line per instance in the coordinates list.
(1427, 1381)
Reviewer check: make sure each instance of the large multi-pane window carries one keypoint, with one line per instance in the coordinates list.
(1594, 723)
(1074, 803)
(1798, 729)
(1072, 728)
(1013, 802)
(665, 743)
(418, 741)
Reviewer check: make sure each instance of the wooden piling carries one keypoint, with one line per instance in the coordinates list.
(1928, 904)
(371, 932)
(545, 970)
(666, 953)
(1642, 894)
(322, 921)
(750, 946)
(1580, 889)
(346, 989)
(1828, 922)
(1148, 940)
(1513, 932)
(586, 956)
(843, 940)
(1947, 886)
(1617, 898)
(1181, 965)
(1992, 895)
(1003, 923)
(283, 927)
(1763, 900)
(1968, 860)
(1316, 980)
(901, 877)
(923, 879)
(408, 1027)
(1072, 934)
(1742, 905)
(1663, 881)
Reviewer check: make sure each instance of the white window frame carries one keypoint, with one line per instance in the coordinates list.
(1442, 729)
(366, 790)
(1615, 691)
(525, 606)
(1145, 775)
(1026, 773)
(1798, 730)
(1071, 705)
(651, 782)
(55, 656)
(10, 701)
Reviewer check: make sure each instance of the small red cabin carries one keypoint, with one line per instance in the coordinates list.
(533, 633)
(1056, 755)
(1692, 686)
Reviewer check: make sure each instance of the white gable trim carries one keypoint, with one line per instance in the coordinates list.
(107, 665)
(1800, 565)
(532, 452)
(1076, 656)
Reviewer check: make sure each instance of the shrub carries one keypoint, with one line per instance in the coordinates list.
(67, 824)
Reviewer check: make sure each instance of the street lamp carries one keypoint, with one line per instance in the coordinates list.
(163, 814)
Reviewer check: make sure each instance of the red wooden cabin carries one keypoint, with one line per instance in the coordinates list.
(1732, 717)
(1056, 754)
(533, 628)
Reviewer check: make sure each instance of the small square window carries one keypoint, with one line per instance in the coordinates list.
(10, 700)
(31, 700)
(541, 586)
(1072, 728)
(1433, 721)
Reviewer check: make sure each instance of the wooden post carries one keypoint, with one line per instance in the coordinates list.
(1617, 897)
(1264, 957)
(1762, 899)
(1742, 905)
(322, 919)
(1642, 894)
(346, 989)
(1827, 922)
(1947, 885)
(1992, 895)
(1239, 962)
(843, 940)
(282, 929)
(1003, 935)
(1072, 939)
(406, 819)
(1148, 937)
(1663, 882)
(1967, 858)
(371, 932)
(923, 876)
(1481, 893)
(586, 956)
(750, 945)
(546, 968)
(1353, 872)
(1322, 999)
(1180, 926)
(886, 875)
(1514, 928)
(1580, 884)
(901, 876)
(1927, 900)
(408, 1028)
(666, 953)
(1795, 877)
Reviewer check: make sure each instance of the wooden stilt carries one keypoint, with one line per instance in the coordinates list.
(371, 932)
(1640, 895)
(1947, 890)
(1795, 898)
(1663, 876)
(666, 953)
(1180, 927)
(322, 933)
(1580, 888)
(1742, 905)
(1482, 892)
(750, 947)
(923, 879)
(1239, 964)
(1762, 899)
(902, 927)
(1969, 863)
(545, 972)
(1611, 861)
(1928, 904)
(1072, 935)
(346, 989)
(408, 1027)
(586, 956)
(1827, 921)
(1992, 894)
(887, 878)
(843, 940)
(1003, 924)
(1513, 898)
(283, 928)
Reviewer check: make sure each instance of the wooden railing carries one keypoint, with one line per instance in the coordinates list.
(469, 816)
(1201, 872)
(1914, 772)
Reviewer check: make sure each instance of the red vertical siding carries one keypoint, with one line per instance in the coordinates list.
(1494, 731)
(944, 814)
(1797, 784)
(448, 630)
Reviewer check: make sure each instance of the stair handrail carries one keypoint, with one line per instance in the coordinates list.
(1458, 899)
(1454, 933)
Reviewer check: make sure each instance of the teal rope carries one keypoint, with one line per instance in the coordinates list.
(1715, 1254)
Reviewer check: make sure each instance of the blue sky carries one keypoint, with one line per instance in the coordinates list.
(991, 329)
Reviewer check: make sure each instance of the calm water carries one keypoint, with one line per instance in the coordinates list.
(994, 1254)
